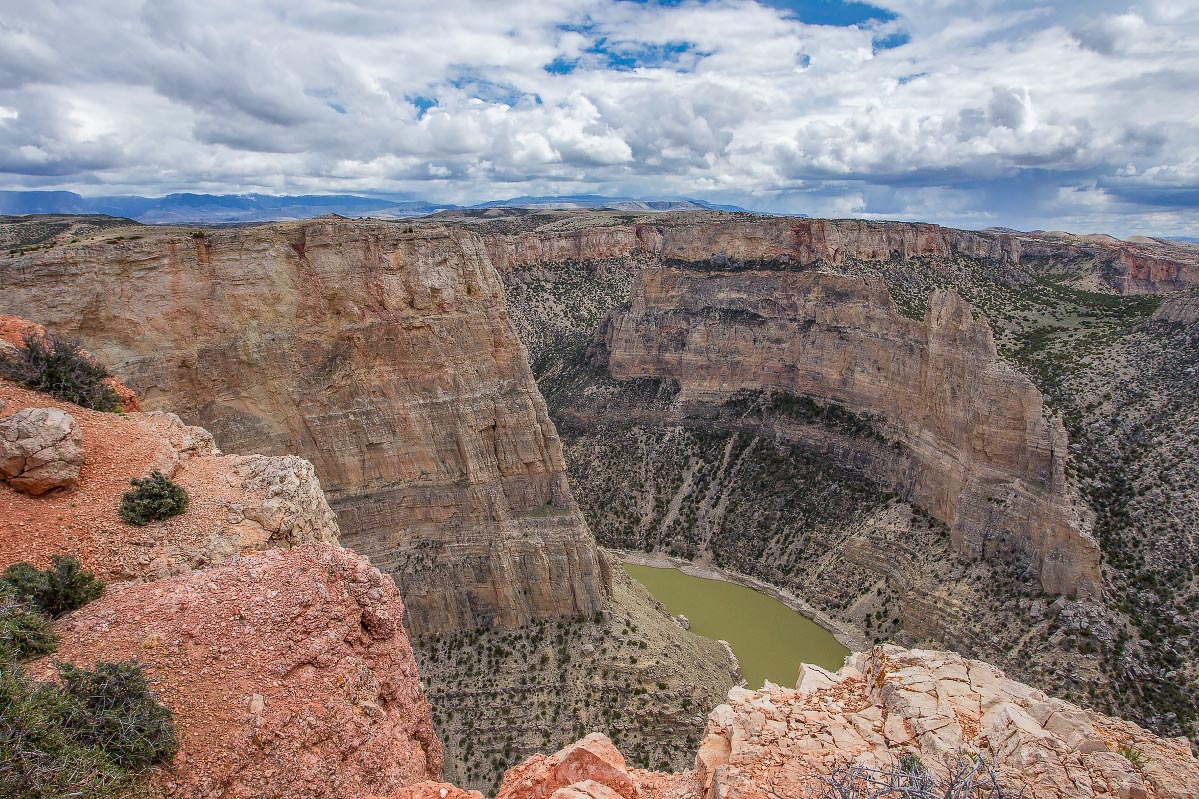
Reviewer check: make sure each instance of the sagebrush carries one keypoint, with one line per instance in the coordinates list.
(115, 710)
(61, 588)
(968, 776)
(88, 737)
(152, 499)
(24, 632)
(93, 731)
(61, 368)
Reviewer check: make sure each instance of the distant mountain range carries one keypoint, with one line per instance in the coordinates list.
(226, 208)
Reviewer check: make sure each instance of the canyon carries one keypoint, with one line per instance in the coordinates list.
(819, 404)
(1141, 265)
(697, 358)
(288, 671)
(385, 358)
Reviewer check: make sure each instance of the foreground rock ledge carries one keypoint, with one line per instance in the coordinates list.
(778, 742)
(237, 503)
(288, 673)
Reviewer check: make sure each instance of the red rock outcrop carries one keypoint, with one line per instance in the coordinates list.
(287, 673)
(938, 706)
(386, 358)
(978, 448)
(1131, 267)
(589, 762)
(237, 503)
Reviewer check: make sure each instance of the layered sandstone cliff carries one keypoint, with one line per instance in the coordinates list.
(976, 446)
(1145, 265)
(386, 358)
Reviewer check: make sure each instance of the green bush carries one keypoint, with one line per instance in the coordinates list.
(114, 709)
(152, 499)
(87, 738)
(45, 362)
(23, 581)
(24, 633)
(63, 587)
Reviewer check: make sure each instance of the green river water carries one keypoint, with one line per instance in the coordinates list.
(769, 638)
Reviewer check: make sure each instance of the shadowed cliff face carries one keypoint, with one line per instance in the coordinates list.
(974, 443)
(385, 358)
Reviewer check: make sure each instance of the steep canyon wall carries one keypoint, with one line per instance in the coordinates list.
(1145, 265)
(384, 357)
(976, 445)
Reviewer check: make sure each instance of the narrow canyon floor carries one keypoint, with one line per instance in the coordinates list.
(631, 673)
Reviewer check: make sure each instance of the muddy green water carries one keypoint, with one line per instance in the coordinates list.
(769, 638)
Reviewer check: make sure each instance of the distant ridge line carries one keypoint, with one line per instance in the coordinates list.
(191, 208)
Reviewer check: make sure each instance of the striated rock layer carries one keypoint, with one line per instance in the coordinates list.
(974, 443)
(884, 705)
(1147, 265)
(386, 358)
(287, 674)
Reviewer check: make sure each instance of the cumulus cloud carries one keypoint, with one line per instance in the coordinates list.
(1082, 111)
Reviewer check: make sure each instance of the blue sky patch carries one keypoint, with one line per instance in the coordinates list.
(624, 56)
(561, 66)
(832, 12)
(813, 12)
(891, 41)
(423, 104)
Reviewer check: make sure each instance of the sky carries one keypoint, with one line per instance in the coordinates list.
(1080, 115)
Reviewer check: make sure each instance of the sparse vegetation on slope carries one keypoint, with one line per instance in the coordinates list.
(24, 632)
(499, 696)
(90, 733)
(88, 736)
(59, 589)
(49, 363)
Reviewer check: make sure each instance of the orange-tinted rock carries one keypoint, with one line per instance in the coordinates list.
(129, 400)
(14, 329)
(236, 503)
(288, 674)
(589, 767)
